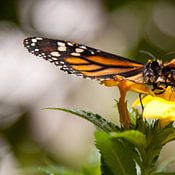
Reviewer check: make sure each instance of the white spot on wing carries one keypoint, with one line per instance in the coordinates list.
(62, 48)
(38, 38)
(33, 44)
(79, 50)
(70, 44)
(34, 40)
(50, 59)
(54, 58)
(83, 47)
(56, 63)
(60, 43)
(92, 52)
(75, 54)
(55, 54)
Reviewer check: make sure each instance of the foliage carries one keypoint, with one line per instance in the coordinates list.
(133, 151)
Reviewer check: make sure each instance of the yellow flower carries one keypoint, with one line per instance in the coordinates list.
(160, 107)
(125, 85)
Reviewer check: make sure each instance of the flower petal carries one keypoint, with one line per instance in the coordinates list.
(159, 108)
(126, 85)
(169, 94)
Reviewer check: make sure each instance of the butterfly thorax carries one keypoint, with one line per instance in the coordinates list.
(157, 74)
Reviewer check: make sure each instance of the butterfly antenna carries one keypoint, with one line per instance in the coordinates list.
(147, 53)
(169, 54)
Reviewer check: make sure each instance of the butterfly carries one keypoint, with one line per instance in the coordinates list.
(92, 63)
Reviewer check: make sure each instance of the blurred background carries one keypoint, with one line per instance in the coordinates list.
(31, 136)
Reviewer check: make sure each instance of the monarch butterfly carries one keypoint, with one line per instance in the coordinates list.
(92, 63)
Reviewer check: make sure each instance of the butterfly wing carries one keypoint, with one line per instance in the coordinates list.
(170, 64)
(84, 61)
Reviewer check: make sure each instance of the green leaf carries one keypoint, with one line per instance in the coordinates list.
(96, 119)
(135, 137)
(170, 136)
(134, 116)
(115, 154)
(156, 138)
(165, 135)
(104, 168)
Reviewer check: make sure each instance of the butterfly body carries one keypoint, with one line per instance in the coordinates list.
(92, 63)
(152, 71)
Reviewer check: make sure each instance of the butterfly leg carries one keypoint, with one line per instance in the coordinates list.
(158, 89)
(140, 97)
